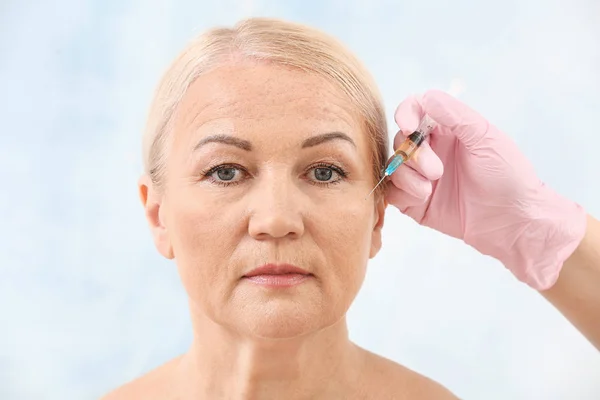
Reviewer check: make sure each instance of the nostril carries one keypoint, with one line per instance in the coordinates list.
(275, 225)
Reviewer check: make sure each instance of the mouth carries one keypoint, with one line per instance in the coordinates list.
(278, 275)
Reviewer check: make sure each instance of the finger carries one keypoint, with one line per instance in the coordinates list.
(412, 182)
(401, 199)
(468, 125)
(425, 161)
(409, 114)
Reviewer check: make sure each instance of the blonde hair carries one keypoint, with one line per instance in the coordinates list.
(271, 40)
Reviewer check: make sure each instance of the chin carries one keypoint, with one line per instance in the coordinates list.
(283, 319)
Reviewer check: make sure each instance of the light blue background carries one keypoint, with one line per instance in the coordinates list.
(87, 303)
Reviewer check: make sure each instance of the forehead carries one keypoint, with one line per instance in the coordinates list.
(239, 97)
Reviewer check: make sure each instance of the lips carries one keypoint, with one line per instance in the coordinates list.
(277, 269)
(278, 276)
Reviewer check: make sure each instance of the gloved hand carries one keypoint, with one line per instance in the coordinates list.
(471, 181)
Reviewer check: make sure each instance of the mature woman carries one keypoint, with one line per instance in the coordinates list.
(262, 143)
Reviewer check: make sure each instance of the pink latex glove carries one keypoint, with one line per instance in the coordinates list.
(471, 182)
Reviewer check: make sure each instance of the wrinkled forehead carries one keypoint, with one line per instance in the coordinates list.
(238, 99)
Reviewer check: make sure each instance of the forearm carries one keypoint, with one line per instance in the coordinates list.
(576, 293)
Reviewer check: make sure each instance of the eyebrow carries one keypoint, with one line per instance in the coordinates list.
(225, 139)
(327, 137)
(247, 146)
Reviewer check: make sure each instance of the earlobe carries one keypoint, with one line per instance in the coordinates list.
(153, 209)
(376, 242)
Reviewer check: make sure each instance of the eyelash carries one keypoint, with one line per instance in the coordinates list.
(207, 174)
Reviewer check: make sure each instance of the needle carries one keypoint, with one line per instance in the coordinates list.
(407, 149)
(378, 183)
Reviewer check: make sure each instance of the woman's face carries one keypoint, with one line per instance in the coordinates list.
(268, 166)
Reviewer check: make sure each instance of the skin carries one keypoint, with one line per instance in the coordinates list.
(576, 293)
(277, 199)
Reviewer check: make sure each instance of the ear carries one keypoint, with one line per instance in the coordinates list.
(380, 206)
(152, 202)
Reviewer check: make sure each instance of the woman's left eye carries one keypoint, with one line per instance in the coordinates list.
(326, 174)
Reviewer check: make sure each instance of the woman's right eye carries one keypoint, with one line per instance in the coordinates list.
(225, 174)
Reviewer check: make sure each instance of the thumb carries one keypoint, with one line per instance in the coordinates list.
(409, 114)
(465, 123)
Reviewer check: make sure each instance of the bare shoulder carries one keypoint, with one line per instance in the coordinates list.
(154, 385)
(396, 382)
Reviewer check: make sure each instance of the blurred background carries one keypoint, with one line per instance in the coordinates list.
(86, 302)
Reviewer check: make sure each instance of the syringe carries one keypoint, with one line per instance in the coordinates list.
(408, 148)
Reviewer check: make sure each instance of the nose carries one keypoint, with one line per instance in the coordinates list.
(275, 210)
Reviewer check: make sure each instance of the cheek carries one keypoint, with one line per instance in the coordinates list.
(345, 236)
(203, 237)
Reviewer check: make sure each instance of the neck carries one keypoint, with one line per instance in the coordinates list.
(223, 364)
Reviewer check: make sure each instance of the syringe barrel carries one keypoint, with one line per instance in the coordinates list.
(426, 125)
